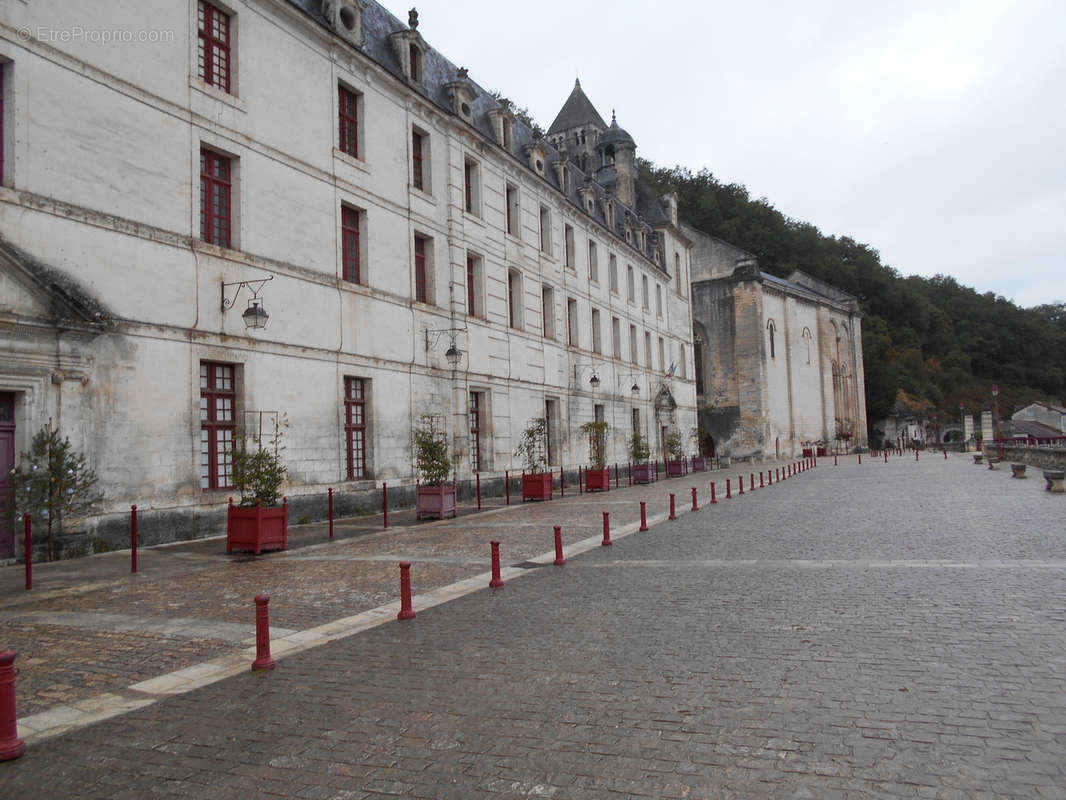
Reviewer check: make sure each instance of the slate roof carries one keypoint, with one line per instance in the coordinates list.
(576, 111)
(379, 23)
(1027, 427)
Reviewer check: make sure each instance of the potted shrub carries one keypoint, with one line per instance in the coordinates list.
(258, 523)
(434, 495)
(536, 483)
(675, 452)
(638, 454)
(699, 461)
(598, 476)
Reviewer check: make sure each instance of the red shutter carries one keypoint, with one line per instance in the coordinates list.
(215, 184)
(349, 122)
(471, 305)
(355, 427)
(416, 155)
(218, 424)
(420, 269)
(213, 54)
(350, 245)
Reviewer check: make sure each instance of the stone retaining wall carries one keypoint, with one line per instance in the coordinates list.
(1042, 457)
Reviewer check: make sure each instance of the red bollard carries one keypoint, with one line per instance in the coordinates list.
(695, 504)
(643, 516)
(740, 484)
(761, 483)
(507, 485)
(606, 530)
(29, 551)
(751, 483)
(406, 611)
(728, 490)
(497, 581)
(915, 454)
(559, 560)
(886, 456)
(672, 514)
(330, 493)
(133, 539)
(860, 459)
(769, 477)
(262, 634)
(834, 461)
(945, 454)
(714, 500)
(616, 475)
(385, 502)
(11, 746)
(477, 475)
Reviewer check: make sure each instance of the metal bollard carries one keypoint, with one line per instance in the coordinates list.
(11, 746)
(385, 502)
(330, 512)
(714, 500)
(834, 460)
(406, 611)
(643, 516)
(672, 514)
(133, 539)
(580, 480)
(497, 581)
(728, 490)
(761, 483)
(26, 524)
(695, 504)
(606, 530)
(769, 477)
(740, 484)
(945, 454)
(916, 454)
(751, 483)
(263, 660)
(559, 560)
(478, 476)
(860, 459)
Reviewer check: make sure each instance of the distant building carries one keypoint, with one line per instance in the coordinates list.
(1046, 420)
(778, 362)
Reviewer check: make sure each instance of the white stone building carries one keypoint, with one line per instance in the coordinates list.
(779, 364)
(161, 162)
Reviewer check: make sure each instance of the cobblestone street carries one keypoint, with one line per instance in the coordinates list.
(883, 630)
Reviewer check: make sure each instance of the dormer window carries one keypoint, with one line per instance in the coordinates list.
(345, 17)
(508, 134)
(610, 215)
(416, 63)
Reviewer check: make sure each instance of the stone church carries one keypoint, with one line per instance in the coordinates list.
(779, 366)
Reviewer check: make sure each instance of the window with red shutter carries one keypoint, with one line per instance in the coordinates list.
(215, 191)
(471, 294)
(416, 160)
(349, 121)
(218, 424)
(420, 269)
(355, 427)
(213, 54)
(350, 265)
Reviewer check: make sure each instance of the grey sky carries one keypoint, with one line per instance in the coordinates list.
(932, 131)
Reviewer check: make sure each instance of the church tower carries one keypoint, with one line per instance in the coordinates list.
(576, 129)
(618, 150)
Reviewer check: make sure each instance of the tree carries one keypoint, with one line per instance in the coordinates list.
(53, 483)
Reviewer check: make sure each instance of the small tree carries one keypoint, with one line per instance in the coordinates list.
(53, 483)
(431, 451)
(596, 431)
(674, 446)
(532, 446)
(258, 469)
(638, 448)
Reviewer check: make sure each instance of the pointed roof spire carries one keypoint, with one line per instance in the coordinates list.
(576, 111)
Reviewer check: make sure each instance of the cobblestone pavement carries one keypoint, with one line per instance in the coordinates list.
(167, 617)
(888, 630)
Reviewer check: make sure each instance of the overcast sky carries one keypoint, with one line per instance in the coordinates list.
(933, 131)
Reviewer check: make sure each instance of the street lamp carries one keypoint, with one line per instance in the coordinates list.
(255, 316)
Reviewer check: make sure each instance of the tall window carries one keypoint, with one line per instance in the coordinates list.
(677, 274)
(647, 349)
(213, 49)
(612, 273)
(545, 230)
(418, 160)
(215, 191)
(658, 300)
(351, 268)
(662, 354)
(644, 292)
(218, 424)
(631, 284)
(355, 427)
(472, 286)
(416, 63)
(616, 338)
(2, 67)
(568, 245)
(514, 299)
(547, 309)
(421, 271)
(634, 355)
(348, 113)
(771, 329)
(684, 363)
(471, 187)
(512, 209)
(597, 342)
(475, 431)
(594, 267)
(571, 322)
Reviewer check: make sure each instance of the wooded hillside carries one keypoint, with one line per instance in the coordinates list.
(929, 344)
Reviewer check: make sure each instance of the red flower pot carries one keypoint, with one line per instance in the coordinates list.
(643, 473)
(597, 479)
(537, 486)
(258, 528)
(434, 501)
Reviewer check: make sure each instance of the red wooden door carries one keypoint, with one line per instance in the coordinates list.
(7, 486)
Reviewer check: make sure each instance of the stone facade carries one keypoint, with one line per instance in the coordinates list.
(474, 234)
(779, 362)
(1045, 413)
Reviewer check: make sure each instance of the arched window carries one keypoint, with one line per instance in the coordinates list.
(807, 341)
(771, 329)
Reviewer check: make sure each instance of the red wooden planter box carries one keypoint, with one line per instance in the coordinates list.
(597, 479)
(699, 463)
(537, 486)
(643, 473)
(675, 469)
(434, 501)
(258, 528)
